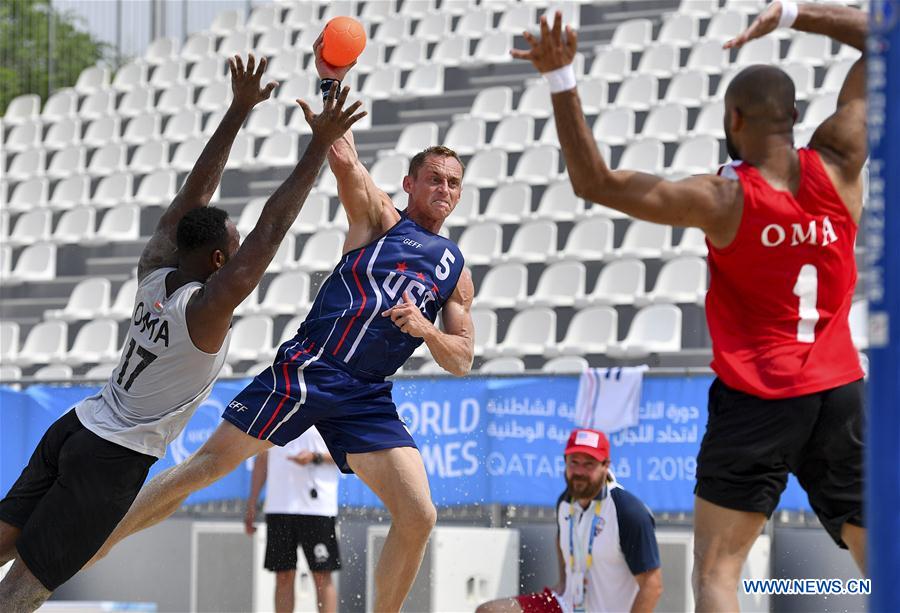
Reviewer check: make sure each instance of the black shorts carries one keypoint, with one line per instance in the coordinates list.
(751, 444)
(315, 533)
(70, 497)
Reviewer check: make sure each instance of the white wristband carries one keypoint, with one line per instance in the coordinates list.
(788, 14)
(561, 79)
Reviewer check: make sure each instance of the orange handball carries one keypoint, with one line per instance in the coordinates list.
(344, 39)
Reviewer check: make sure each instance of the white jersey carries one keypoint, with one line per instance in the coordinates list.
(161, 377)
(620, 533)
(290, 487)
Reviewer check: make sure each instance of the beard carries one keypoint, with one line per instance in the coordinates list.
(583, 487)
(730, 147)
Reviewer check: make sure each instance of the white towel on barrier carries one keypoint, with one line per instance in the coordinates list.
(609, 399)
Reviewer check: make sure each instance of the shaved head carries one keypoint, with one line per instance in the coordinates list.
(762, 91)
(763, 96)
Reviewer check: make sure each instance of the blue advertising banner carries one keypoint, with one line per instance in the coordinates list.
(483, 440)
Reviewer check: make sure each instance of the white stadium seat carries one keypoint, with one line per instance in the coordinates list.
(590, 240)
(620, 282)
(655, 329)
(645, 155)
(161, 50)
(130, 76)
(31, 227)
(533, 242)
(560, 285)
(510, 203)
(503, 286)
(530, 332)
(28, 194)
(322, 251)
(559, 203)
(614, 126)
(492, 103)
(481, 243)
(96, 341)
(108, 159)
(502, 366)
(485, 323)
(124, 302)
(514, 133)
(487, 168)
(312, 217)
(466, 136)
(102, 131)
(251, 337)
(53, 372)
(592, 330)
(119, 224)
(62, 104)
(285, 293)
(22, 108)
(682, 280)
(142, 128)
(9, 341)
(91, 79)
(660, 60)
(26, 135)
(35, 263)
(613, 64)
(645, 240)
(75, 225)
(565, 365)
(285, 257)
(114, 190)
(46, 342)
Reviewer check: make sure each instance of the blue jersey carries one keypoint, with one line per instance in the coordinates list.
(345, 319)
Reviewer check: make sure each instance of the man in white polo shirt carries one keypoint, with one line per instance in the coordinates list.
(606, 543)
(300, 507)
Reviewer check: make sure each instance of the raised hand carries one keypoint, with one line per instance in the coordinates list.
(326, 70)
(764, 23)
(333, 121)
(245, 83)
(408, 317)
(552, 50)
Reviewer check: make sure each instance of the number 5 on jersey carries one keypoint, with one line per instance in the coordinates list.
(442, 270)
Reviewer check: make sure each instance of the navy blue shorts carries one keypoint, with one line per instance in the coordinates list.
(301, 389)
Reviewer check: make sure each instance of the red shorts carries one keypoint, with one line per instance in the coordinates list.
(539, 602)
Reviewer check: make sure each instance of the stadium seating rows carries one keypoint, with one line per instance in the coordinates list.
(83, 169)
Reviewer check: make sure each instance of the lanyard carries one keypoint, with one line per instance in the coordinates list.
(590, 548)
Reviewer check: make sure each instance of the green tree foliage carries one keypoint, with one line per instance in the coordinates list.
(42, 49)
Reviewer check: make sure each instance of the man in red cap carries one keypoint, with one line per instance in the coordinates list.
(606, 542)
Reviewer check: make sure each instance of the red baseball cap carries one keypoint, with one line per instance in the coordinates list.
(592, 442)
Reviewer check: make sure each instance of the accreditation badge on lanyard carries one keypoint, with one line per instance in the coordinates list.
(579, 577)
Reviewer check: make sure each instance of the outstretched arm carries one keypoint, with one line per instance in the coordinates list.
(841, 139)
(204, 178)
(210, 309)
(707, 201)
(454, 348)
(363, 202)
(257, 481)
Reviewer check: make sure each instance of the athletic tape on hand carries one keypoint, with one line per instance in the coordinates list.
(561, 79)
(789, 12)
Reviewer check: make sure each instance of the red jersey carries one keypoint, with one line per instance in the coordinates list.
(780, 293)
